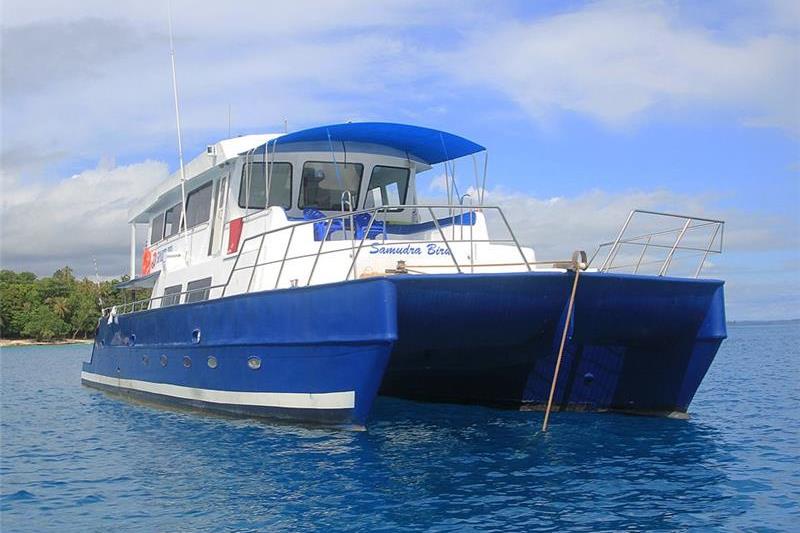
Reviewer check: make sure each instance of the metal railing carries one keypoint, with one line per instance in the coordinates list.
(145, 303)
(347, 223)
(690, 225)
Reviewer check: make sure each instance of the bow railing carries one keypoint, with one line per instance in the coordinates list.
(635, 249)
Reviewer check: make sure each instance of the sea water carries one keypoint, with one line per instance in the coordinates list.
(75, 459)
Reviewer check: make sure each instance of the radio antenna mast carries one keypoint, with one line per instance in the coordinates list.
(182, 226)
(97, 282)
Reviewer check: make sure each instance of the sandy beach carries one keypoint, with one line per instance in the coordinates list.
(31, 342)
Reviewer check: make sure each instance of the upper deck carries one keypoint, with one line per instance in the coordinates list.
(330, 204)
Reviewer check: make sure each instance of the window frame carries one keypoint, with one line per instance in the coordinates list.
(266, 199)
(166, 297)
(160, 216)
(405, 192)
(207, 185)
(358, 190)
(205, 292)
(179, 205)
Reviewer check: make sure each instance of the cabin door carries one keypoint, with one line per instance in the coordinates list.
(218, 222)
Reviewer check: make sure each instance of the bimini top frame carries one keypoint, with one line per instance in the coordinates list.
(427, 145)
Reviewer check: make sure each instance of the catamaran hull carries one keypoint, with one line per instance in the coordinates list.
(314, 355)
(636, 343)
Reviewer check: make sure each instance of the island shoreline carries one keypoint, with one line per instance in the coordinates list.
(7, 343)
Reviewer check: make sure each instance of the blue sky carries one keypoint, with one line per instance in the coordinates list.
(588, 109)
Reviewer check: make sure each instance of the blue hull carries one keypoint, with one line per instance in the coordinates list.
(317, 363)
(636, 343)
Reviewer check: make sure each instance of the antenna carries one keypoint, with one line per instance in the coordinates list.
(285, 126)
(182, 225)
(97, 281)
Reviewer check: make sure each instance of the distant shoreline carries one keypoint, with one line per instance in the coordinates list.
(31, 342)
(763, 322)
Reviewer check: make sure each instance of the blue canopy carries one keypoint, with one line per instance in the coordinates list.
(428, 145)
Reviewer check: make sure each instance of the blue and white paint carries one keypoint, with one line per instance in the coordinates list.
(309, 308)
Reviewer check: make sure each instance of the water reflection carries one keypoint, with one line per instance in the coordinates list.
(75, 458)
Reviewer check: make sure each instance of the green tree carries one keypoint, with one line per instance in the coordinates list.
(17, 301)
(56, 306)
(43, 324)
(84, 309)
(60, 306)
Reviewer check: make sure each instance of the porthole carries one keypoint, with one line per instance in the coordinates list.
(212, 361)
(187, 361)
(145, 360)
(196, 336)
(254, 363)
(132, 339)
(163, 360)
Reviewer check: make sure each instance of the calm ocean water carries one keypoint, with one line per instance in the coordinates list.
(74, 459)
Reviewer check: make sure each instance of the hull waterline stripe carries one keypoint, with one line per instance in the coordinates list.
(296, 400)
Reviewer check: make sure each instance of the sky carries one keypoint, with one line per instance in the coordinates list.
(588, 110)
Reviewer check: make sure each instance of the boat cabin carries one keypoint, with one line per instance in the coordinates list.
(253, 184)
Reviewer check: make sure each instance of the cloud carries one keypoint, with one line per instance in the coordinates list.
(616, 61)
(83, 216)
(43, 54)
(759, 256)
(87, 85)
(46, 226)
(558, 226)
(83, 80)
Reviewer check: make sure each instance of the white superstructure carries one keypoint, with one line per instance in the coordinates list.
(335, 211)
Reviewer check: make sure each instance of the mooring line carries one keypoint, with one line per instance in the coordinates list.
(578, 263)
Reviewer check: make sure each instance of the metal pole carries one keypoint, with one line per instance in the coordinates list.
(255, 263)
(182, 223)
(616, 241)
(668, 260)
(360, 245)
(285, 254)
(708, 249)
(444, 239)
(514, 238)
(316, 257)
(133, 250)
(644, 250)
(485, 168)
(475, 171)
(561, 349)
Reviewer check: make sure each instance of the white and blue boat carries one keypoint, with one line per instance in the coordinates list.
(299, 275)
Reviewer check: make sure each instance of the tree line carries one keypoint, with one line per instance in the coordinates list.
(56, 307)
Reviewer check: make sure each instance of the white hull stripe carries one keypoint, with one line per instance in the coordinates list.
(294, 400)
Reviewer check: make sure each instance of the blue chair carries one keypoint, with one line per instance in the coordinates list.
(321, 227)
(362, 223)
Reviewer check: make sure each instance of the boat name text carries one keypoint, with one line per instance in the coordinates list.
(409, 249)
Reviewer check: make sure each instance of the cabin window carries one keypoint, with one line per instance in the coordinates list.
(198, 206)
(172, 296)
(251, 192)
(171, 220)
(387, 186)
(197, 291)
(157, 228)
(322, 186)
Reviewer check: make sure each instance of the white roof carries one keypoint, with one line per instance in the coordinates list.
(167, 193)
